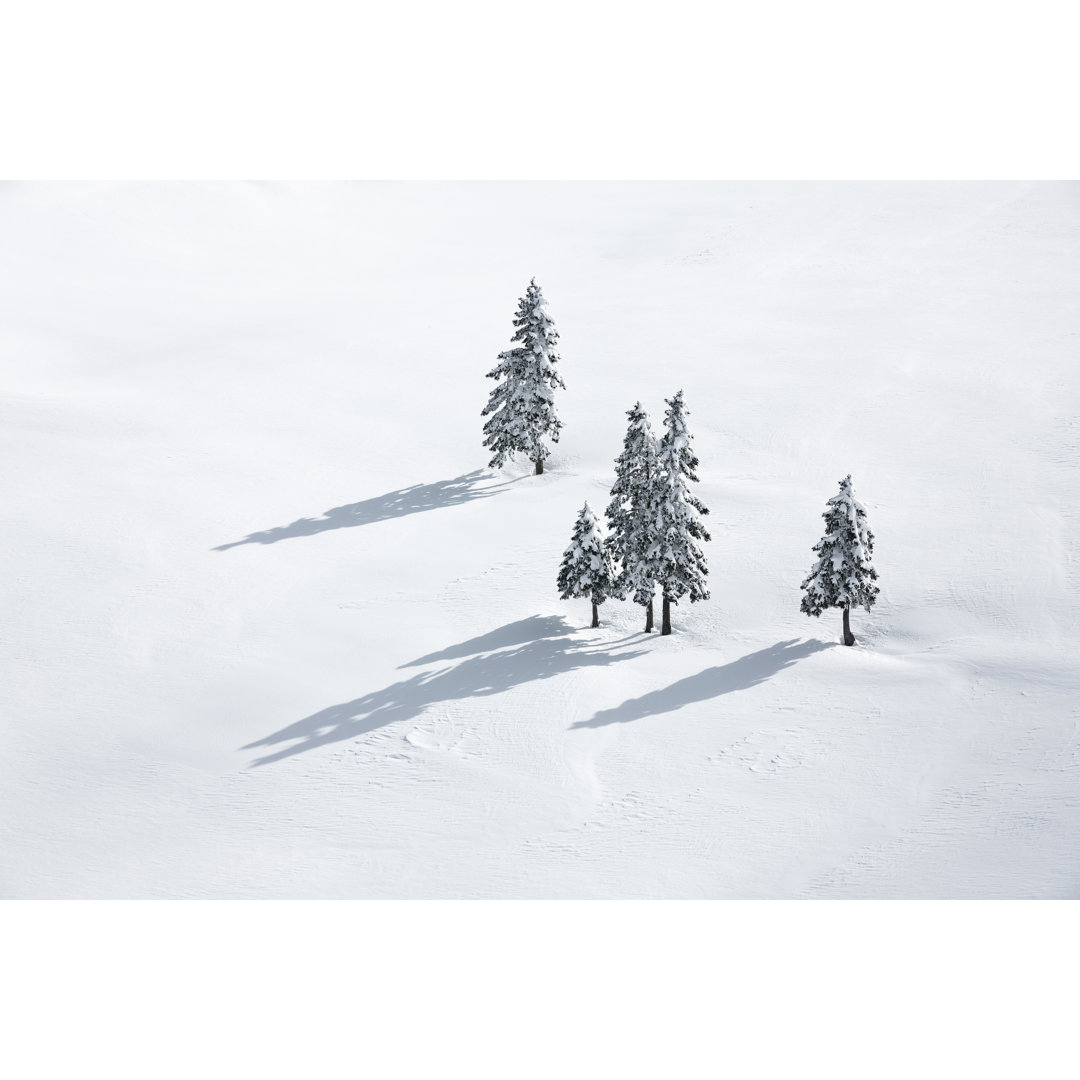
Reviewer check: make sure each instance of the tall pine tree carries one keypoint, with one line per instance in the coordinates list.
(843, 575)
(522, 405)
(682, 567)
(587, 569)
(631, 514)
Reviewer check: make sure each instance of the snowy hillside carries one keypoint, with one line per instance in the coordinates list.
(271, 628)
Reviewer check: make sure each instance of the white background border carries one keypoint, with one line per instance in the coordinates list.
(561, 90)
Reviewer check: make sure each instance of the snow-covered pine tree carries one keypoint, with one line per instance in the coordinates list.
(843, 575)
(587, 569)
(631, 514)
(683, 569)
(522, 405)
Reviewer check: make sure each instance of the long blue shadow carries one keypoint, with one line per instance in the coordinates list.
(741, 674)
(411, 500)
(480, 676)
(516, 633)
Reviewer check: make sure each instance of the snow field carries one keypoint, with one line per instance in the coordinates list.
(272, 629)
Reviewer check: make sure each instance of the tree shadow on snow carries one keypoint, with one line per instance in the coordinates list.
(480, 676)
(741, 674)
(515, 633)
(410, 500)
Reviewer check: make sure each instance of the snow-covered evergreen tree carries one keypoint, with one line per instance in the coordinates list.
(587, 569)
(522, 405)
(843, 575)
(682, 566)
(631, 514)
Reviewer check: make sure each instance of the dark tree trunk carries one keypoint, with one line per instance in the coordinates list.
(595, 615)
(648, 618)
(665, 626)
(849, 637)
(539, 467)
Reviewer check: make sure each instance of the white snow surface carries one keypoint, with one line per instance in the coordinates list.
(270, 628)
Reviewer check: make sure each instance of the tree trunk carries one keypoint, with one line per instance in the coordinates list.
(595, 615)
(648, 618)
(539, 467)
(665, 626)
(849, 637)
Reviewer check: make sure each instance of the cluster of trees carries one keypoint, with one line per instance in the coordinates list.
(654, 533)
(654, 525)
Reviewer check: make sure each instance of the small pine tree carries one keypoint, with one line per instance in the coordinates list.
(522, 405)
(682, 566)
(587, 569)
(631, 514)
(843, 575)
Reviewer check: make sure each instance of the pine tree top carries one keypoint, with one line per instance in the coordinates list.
(845, 516)
(677, 438)
(676, 456)
(846, 496)
(636, 465)
(639, 433)
(533, 321)
(587, 518)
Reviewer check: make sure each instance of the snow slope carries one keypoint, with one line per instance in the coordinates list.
(272, 630)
